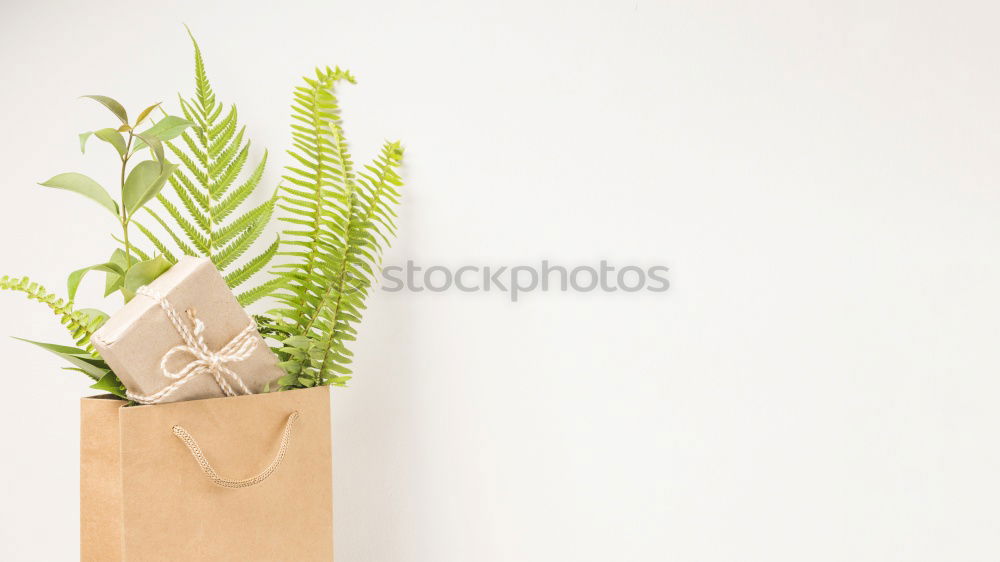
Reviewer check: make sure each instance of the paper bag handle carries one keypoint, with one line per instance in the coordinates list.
(206, 467)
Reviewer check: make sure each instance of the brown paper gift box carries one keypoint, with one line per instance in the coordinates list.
(145, 497)
(135, 339)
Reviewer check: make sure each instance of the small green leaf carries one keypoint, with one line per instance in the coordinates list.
(83, 140)
(144, 182)
(339, 369)
(118, 258)
(79, 358)
(83, 185)
(110, 383)
(95, 314)
(291, 367)
(73, 283)
(145, 113)
(154, 144)
(165, 129)
(143, 273)
(112, 106)
(316, 353)
(114, 281)
(298, 341)
(112, 137)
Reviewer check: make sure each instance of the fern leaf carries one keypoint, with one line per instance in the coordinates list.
(211, 187)
(228, 254)
(238, 195)
(189, 205)
(160, 246)
(198, 238)
(338, 229)
(258, 215)
(253, 295)
(220, 135)
(80, 325)
(253, 265)
(185, 249)
(203, 89)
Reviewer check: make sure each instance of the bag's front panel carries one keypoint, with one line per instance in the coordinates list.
(173, 511)
(100, 480)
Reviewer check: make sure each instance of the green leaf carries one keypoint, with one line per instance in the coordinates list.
(287, 380)
(145, 113)
(72, 181)
(143, 273)
(160, 246)
(79, 358)
(341, 218)
(298, 341)
(165, 129)
(80, 326)
(112, 137)
(292, 367)
(112, 106)
(154, 145)
(212, 183)
(185, 249)
(110, 383)
(119, 258)
(109, 135)
(114, 281)
(83, 140)
(73, 283)
(144, 182)
(250, 296)
(94, 314)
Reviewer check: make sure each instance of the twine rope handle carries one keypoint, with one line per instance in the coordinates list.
(206, 467)
(205, 360)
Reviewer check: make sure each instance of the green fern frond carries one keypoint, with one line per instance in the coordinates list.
(203, 89)
(245, 271)
(160, 246)
(340, 221)
(185, 249)
(80, 325)
(205, 216)
(246, 298)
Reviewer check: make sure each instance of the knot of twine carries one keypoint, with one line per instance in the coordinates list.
(204, 361)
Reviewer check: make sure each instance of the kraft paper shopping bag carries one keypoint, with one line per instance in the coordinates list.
(243, 478)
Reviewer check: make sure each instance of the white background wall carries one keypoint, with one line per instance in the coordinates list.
(820, 383)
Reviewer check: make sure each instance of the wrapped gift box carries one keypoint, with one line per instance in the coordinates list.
(185, 337)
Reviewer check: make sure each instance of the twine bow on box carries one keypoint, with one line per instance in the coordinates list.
(205, 361)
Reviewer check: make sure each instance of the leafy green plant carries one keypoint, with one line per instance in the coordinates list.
(132, 267)
(128, 268)
(340, 220)
(211, 189)
(81, 323)
(87, 363)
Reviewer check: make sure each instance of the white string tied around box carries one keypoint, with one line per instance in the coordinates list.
(206, 361)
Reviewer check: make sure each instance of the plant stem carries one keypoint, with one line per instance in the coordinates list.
(128, 248)
(124, 216)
